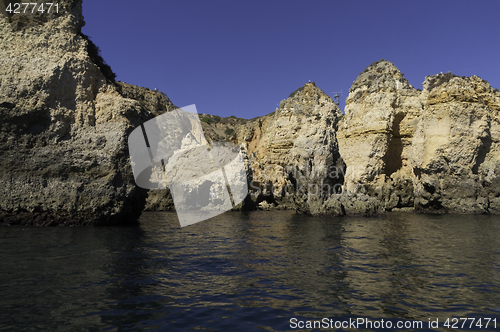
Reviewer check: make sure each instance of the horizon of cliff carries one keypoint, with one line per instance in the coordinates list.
(242, 58)
(445, 77)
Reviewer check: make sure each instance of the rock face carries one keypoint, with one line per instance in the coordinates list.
(220, 129)
(154, 101)
(293, 157)
(375, 136)
(435, 150)
(64, 126)
(455, 150)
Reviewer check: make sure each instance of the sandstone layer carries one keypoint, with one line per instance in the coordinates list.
(375, 135)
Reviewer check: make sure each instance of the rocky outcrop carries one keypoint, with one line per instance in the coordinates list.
(293, 157)
(375, 135)
(220, 129)
(154, 101)
(455, 150)
(64, 126)
(435, 150)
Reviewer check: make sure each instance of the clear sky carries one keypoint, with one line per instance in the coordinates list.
(243, 57)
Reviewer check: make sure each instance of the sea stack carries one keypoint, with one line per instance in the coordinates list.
(435, 150)
(375, 136)
(293, 156)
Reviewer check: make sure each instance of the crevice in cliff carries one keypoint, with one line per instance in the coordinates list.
(393, 159)
(484, 149)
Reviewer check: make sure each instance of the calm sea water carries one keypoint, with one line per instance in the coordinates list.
(251, 272)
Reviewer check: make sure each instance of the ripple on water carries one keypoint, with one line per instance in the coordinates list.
(249, 271)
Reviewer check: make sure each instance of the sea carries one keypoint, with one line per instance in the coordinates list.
(255, 271)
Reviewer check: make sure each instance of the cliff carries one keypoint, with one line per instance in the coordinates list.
(376, 134)
(434, 150)
(64, 126)
(455, 150)
(293, 158)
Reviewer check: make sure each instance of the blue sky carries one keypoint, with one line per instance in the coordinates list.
(243, 57)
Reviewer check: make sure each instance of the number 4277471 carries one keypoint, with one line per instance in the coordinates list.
(31, 7)
(462, 323)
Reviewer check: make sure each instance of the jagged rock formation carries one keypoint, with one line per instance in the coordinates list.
(434, 149)
(64, 126)
(455, 150)
(375, 135)
(293, 153)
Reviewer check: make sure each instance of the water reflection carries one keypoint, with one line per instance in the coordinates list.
(248, 270)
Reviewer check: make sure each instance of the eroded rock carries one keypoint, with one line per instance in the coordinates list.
(455, 150)
(293, 154)
(64, 127)
(375, 135)
(434, 149)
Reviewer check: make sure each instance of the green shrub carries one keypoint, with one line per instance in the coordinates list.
(207, 120)
(95, 55)
(229, 131)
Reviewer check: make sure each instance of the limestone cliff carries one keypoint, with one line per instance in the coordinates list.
(455, 150)
(376, 133)
(64, 126)
(293, 157)
(435, 150)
